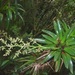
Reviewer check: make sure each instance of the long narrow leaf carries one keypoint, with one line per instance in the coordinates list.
(49, 38)
(56, 28)
(70, 51)
(66, 63)
(71, 66)
(65, 26)
(60, 30)
(57, 55)
(1, 17)
(52, 53)
(21, 17)
(57, 65)
(50, 33)
(9, 14)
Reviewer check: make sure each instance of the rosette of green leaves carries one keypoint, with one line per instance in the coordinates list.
(61, 44)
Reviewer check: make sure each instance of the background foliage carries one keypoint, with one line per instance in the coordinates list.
(31, 16)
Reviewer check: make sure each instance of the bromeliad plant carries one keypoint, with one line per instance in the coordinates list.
(61, 44)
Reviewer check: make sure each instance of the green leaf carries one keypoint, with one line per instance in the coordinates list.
(21, 17)
(7, 23)
(21, 9)
(40, 40)
(59, 26)
(70, 51)
(49, 38)
(66, 61)
(64, 37)
(57, 65)
(50, 46)
(65, 26)
(50, 33)
(71, 43)
(47, 42)
(49, 56)
(59, 29)
(9, 14)
(70, 31)
(70, 40)
(6, 62)
(19, 5)
(13, 9)
(71, 66)
(56, 27)
(1, 17)
(57, 55)
(73, 34)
